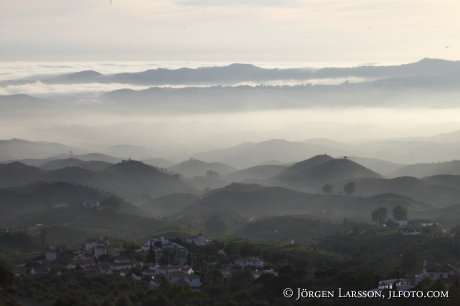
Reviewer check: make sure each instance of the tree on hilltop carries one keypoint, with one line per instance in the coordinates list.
(349, 188)
(328, 189)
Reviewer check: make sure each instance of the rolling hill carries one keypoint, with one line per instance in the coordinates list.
(321, 170)
(377, 165)
(74, 162)
(128, 179)
(159, 162)
(254, 173)
(437, 196)
(256, 201)
(443, 179)
(25, 206)
(17, 174)
(195, 167)
(168, 204)
(250, 154)
(428, 169)
(299, 167)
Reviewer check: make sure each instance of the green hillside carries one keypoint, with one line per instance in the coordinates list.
(300, 229)
(128, 179)
(302, 175)
(256, 201)
(17, 174)
(303, 166)
(436, 195)
(168, 204)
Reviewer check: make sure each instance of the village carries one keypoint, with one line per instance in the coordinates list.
(165, 261)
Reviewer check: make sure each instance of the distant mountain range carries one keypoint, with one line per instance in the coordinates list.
(16, 149)
(237, 73)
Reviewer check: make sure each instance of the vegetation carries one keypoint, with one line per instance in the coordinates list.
(380, 215)
(328, 189)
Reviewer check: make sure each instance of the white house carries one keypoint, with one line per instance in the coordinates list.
(434, 271)
(199, 240)
(406, 232)
(258, 273)
(226, 273)
(401, 224)
(151, 241)
(157, 269)
(106, 249)
(180, 278)
(250, 262)
(91, 204)
(95, 270)
(51, 255)
(90, 244)
(39, 271)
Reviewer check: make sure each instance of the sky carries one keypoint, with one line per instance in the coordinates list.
(312, 31)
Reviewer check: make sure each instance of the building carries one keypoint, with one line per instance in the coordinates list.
(401, 224)
(161, 269)
(199, 240)
(106, 249)
(95, 270)
(91, 243)
(406, 232)
(91, 204)
(37, 271)
(178, 278)
(123, 263)
(448, 273)
(97, 247)
(250, 262)
(51, 255)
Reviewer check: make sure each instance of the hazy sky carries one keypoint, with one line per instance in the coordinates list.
(357, 31)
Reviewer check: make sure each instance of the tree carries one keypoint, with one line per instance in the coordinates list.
(410, 262)
(379, 215)
(212, 174)
(150, 255)
(6, 274)
(113, 202)
(399, 213)
(349, 188)
(328, 189)
(47, 202)
(241, 279)
(215, 225)
(189, 259)
(44, 236)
